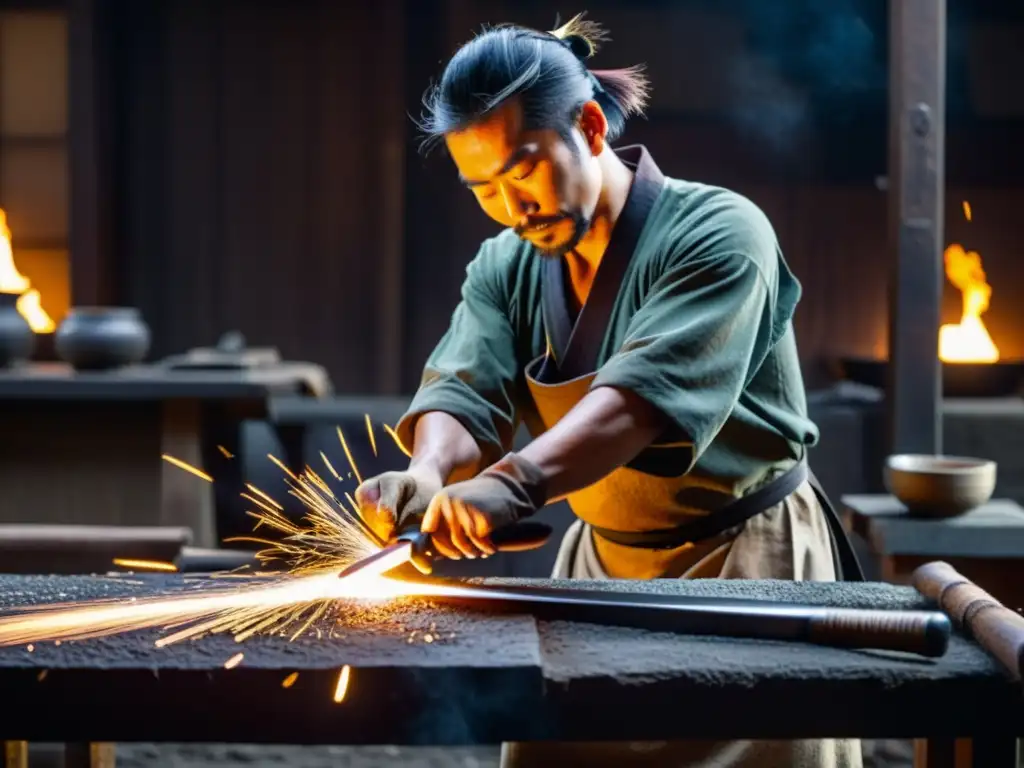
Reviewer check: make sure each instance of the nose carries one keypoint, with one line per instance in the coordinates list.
(517, 207)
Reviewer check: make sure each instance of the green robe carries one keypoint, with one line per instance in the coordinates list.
(702, 329)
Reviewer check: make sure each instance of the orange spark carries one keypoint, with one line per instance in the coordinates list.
(146, 565)
(348, 455)
(394, 436)
(187, 467)
(967, 210)
(234, 661)
(342, 688)
(282, 467)
(330, 466)
(264, 496)
(369, 431)
(225, 452)
(289, 681)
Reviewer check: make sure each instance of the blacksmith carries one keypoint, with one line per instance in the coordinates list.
(641, 327)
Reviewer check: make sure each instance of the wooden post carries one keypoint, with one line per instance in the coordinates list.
(916, 180)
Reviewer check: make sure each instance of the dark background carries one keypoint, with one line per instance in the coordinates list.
(256, 167)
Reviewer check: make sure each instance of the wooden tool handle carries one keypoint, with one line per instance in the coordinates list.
(925, 633)
(996, 628)
(521, 536)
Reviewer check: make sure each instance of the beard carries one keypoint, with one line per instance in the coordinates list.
(580, 226)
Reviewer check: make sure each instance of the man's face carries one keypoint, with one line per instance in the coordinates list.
(531, 181)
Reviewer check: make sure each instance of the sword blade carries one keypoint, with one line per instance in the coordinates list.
(379, 563)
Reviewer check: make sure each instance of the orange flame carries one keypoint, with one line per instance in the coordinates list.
(12, 281)
(967, 341)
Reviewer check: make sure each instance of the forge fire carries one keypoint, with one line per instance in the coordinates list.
(967, 341)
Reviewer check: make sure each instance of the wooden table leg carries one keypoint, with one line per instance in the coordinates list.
(15, 754)
(186, 500)
(935, 753)
(90, 755)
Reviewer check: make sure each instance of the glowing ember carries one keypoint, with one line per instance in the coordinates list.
(342, 687)
(187, 467)
(967, 341)
(145, 565)
(289, 681)
(234, 661)
(225, 452)
(12, 281)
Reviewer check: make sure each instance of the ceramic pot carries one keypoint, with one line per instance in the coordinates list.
(17, 339)
(939, 486)
(101, 338)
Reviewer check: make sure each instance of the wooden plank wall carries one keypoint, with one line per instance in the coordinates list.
(269, 182)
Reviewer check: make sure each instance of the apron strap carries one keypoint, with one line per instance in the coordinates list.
(847, 566)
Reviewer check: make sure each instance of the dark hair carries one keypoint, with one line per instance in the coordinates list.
(546, 70)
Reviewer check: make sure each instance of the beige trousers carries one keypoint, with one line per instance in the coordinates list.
(788, 541)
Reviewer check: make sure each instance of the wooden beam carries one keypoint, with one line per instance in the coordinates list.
(916, 159)
(91, 204)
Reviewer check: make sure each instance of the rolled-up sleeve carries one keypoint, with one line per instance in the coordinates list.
(473, 371)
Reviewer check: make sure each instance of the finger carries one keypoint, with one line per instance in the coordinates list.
(382, 522)
(432, 517)
(470, 521)
(443, 544)
(368, 493)
(455, 529)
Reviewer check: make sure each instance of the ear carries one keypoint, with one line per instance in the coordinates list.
(594, 126)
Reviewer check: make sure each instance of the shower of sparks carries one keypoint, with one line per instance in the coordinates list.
(314, 550)
(145, 565)
(187, 467)
(289, 681)
(234, 661)
(342, 687)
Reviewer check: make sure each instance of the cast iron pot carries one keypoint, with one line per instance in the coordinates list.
(101, 338)
(17, 338)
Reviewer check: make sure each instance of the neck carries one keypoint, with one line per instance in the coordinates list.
(618, 178)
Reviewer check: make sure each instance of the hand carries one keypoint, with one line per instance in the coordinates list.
(388, 502)
(462, 516)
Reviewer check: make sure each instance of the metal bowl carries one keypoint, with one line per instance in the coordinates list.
(939, 486)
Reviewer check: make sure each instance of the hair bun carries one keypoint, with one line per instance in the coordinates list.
(582, 48)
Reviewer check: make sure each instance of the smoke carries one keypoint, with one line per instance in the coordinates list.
(805, 57)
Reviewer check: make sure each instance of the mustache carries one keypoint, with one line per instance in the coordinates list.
(540, 221)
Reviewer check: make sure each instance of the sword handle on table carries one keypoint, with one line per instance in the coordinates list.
(925, 633)
(512, 538)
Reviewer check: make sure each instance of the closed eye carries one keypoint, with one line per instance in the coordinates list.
(526, 174)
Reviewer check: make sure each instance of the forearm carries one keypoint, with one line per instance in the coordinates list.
(443, 446)
(606, 429)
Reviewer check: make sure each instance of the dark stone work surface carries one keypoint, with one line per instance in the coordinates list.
(489, 676)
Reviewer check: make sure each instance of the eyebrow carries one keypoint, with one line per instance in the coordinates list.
(513, 160)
